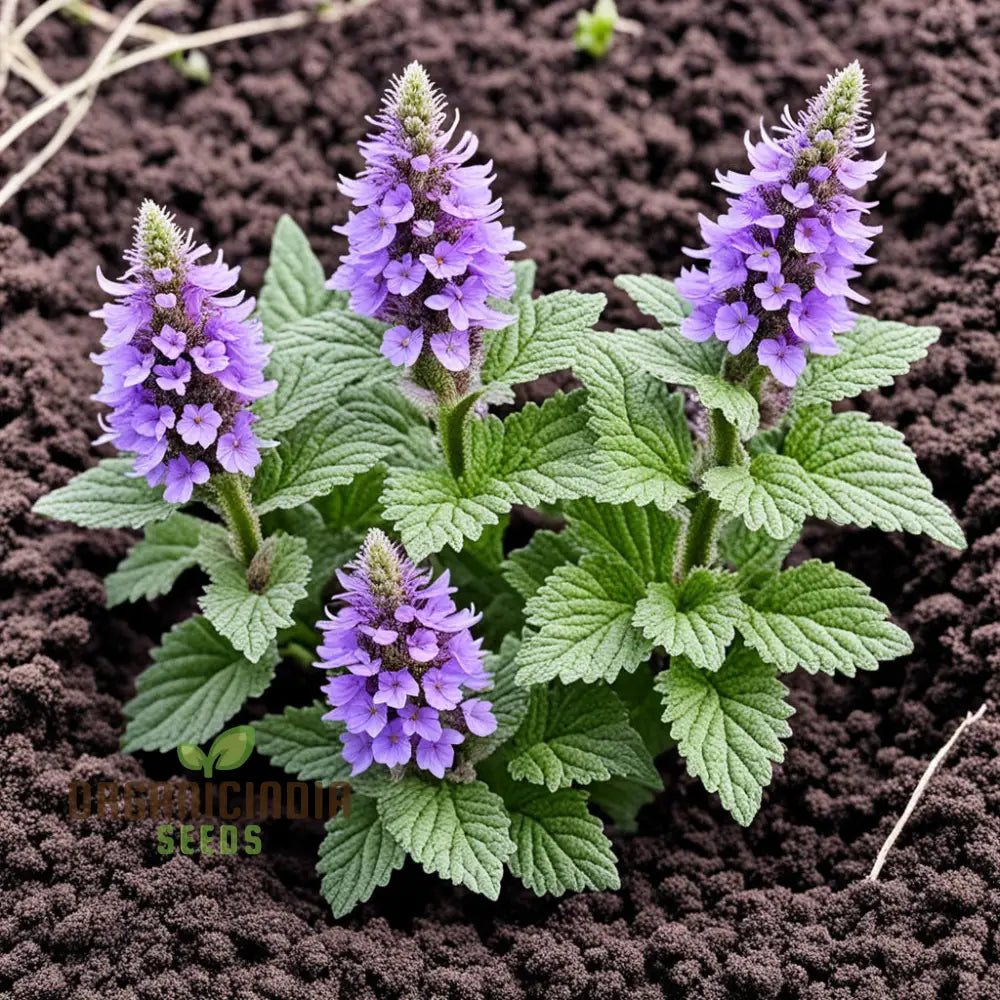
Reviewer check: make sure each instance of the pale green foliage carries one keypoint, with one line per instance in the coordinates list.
(248, 615)
(643, 447)
(728, 725)
(358, 854)
(558, 845)
(302, 743)
(106, 496)
(822, 619)
(196, 683)
(509, 701)
(576, 734)
(838, 466)
(595, 29)
(696, 618)
(537, 455)
(153, 564)
(460, 832)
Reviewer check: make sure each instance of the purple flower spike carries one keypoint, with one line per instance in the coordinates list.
(780, 260)
(425, 247)
(180, 363)
(405, 660)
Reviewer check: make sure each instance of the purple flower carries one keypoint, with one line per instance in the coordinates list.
(425, 247)
(357, 751)
(438, 755)
(401, 345)
(199, 424)
(792, 238)
(181, 363)
(404, 657)
(182, 477)
(237, 450)
(786, 361)
(452, 349)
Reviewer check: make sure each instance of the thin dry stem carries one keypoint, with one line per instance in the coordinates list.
(919, 791)
(8, 10)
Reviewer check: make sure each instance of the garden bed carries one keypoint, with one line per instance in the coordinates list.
(603, 169)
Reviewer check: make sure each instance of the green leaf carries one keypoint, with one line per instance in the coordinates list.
(196, 683)
(250, 617)
(313, 360)
(528, 568)
(106, 496)
(460, 832)
(838, 466)
(755, 555)
(509, 700)
(872, 354)
(558, 845)
(583, 614)
(357, 856)
(191, 757)
(728, 726)
(696, 618)
(645, 537)
(232, 748)
(354, 507)
(319, 453)
(153, 564)
(643, 446)
(822, 619)
(655, 297)
(577, 734)
(300, 742)
(294, 283)
(621, 799)
(537, 455)
(543, 338)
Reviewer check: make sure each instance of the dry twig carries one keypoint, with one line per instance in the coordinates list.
(919, 791)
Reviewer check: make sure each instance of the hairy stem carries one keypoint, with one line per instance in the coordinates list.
(233, 495)
(703, 528)
(298, 653)
(451, 420)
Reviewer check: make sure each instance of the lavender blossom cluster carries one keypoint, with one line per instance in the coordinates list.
(780, 261)
(181, 362)
(426, 248)
(404, 655)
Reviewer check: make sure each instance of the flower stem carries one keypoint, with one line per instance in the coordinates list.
(233, 495)
(451, 421)
(297, 652)
(703, 528)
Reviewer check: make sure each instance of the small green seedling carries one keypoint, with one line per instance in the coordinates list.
(229, 751)
(595, 30)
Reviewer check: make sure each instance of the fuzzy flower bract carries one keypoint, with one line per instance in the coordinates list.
(781, 260)
(181, 361)
(405, 663)
(426, 248)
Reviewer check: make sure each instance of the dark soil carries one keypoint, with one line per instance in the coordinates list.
(603, 168)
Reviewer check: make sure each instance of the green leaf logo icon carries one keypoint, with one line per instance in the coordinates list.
(229, 751)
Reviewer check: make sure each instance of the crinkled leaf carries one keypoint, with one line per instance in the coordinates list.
(577, 734)
(250, 618)
(621, 799)
(583, 615)
(822, 619)
(196, 683)
(528, 568)
(154, 563)
(537, 455)
(542, 339)
(317, 454)
(643, 446)
(696, 618)
(314, 358)
(872, 354)
(106, 496)
(656, 297)
(460, 832)
(728, 725)
(558, 845)
(645, 537)
(300, 742)
(841, 467)
(357, 856)
(755, 555)
(294, 283)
